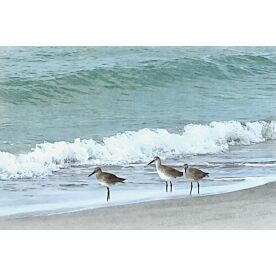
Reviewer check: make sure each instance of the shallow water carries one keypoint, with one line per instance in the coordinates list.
(65, 110)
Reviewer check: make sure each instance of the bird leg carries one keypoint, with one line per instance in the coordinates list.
(191, 188)
(166, 186)
(198, 187)
(108, 194)
(171, 185)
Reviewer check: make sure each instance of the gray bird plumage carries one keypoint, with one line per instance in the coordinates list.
(194, 174)
(165, 173)
(106, 179)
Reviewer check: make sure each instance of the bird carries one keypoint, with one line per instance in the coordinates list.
(194, 174)
(106, 179)
(165, 173)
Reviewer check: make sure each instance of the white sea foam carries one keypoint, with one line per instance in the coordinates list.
(135, 147)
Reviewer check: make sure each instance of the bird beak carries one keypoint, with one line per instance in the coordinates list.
(91, 173)
(150, 162)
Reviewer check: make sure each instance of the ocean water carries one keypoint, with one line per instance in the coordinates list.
(65, 110)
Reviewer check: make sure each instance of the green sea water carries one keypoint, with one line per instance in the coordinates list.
(64, 110)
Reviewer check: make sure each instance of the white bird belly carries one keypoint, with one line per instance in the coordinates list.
(103, 183)
(164, 176)
(188, 177)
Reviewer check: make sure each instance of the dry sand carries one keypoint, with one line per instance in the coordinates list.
(253, 208)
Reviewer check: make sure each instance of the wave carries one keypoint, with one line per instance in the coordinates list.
(271, 163)
(68, 81)
(135, 147)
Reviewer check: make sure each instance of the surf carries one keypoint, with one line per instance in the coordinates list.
(132, 147)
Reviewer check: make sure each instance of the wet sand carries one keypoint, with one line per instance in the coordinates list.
(253, 208)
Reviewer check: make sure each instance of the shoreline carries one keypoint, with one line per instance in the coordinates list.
(73, 209)
(251, 208)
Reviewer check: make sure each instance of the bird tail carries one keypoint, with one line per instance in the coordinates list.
(207, 174)
(121, 179)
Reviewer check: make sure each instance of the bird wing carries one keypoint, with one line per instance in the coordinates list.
(173, 171)
(198, 173)
(111, 178)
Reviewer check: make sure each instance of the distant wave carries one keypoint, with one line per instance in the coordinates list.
(63, 84)
(135, 147)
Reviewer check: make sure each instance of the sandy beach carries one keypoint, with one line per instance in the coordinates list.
(253, 208)
(68, 110)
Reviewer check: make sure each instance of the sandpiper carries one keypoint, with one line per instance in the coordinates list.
(194, 174)
(106, 179)
(166, 173)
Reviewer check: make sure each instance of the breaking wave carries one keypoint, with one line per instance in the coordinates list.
(134, 147)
